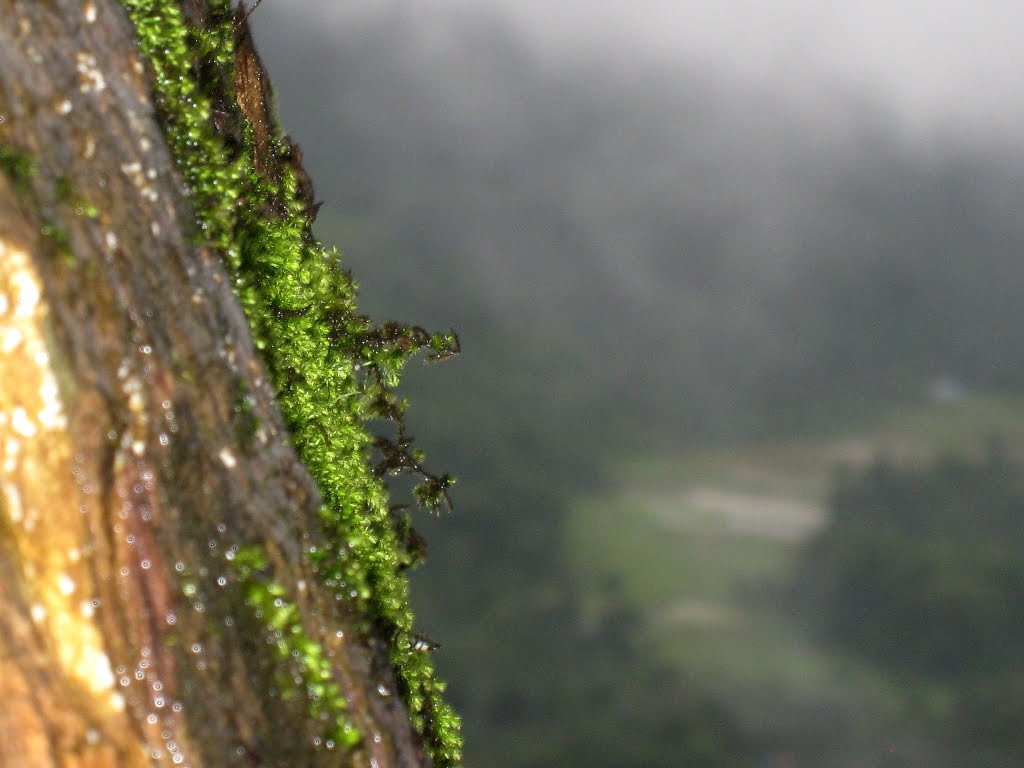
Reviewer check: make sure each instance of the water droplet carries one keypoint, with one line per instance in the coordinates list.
(65, 584)
(227, 458)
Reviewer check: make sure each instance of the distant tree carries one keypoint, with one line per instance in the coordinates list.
(921, 570)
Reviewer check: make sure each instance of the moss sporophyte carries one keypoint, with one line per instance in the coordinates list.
(332, 368)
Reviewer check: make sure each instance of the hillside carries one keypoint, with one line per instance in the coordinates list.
(704, 543)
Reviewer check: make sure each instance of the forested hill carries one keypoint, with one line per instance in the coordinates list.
(635, 258)
(654, 219)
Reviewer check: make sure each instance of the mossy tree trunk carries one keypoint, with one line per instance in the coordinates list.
(158, 605)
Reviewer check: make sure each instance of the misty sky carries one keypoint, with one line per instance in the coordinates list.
(937, 66)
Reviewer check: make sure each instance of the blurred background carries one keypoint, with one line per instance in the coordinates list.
(739, 420)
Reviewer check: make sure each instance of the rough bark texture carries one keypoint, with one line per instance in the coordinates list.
(141, 450)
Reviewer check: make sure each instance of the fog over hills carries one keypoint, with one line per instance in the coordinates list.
(639, 213)
(640, 252)
(950, 67)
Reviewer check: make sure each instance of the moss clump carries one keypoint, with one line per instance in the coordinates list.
(293, 647)
(17, 166)
(20, 169)
(332, 368)
(58, 237)
(64, 192)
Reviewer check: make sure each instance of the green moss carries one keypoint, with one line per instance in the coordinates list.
(20, 169)
(59, 239)
(298, 656)
(64, 192)
(332, 368)
(17, 166)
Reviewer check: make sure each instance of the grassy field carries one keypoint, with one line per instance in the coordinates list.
(703, 544)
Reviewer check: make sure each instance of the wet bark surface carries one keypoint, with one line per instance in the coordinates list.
(140, 448)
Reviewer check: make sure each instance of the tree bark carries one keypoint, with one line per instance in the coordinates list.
(142, 453)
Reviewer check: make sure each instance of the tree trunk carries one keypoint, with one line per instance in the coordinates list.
(158, 601)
